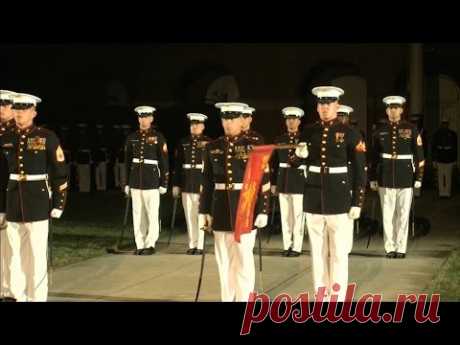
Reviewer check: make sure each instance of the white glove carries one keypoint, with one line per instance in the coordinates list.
(354, 213)
(162, 190)
(56, 213)
(204, 222)
(302, 150)
(374, 185)
(127, 190)
(2, 221)
(417, 184)
(176, 192)
(273, 189)
(261, 220)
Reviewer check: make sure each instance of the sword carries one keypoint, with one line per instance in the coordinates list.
(1, 258)
(50, 252)
(272, 221)
(173, 220)
(413, 215)
(304, 224)
(159, 218)
(357, 227)
(115, 249)
(198, 289)
(261, 284)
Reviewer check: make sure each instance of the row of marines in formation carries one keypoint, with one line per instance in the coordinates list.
(320, 180)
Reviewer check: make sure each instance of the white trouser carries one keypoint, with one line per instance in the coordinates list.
(101, 176)
(445, 178)
(190, 202)
(84, 177)
(5, 259)
(235, 262)
(291, 208)
(119, 171)
(330, 237)
(396, 204)
(146, 205)
(28, 265)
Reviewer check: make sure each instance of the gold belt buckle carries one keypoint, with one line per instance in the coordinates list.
(22, 177)
(394, 156)
(230, 186)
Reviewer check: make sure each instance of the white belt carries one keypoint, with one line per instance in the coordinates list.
(328, 170)
(145, 161)
(387, 155)
(231, 186)
(36, 177)
(287, 165)
(192, 166)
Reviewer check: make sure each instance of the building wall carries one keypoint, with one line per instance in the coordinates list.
(73, 79)
(272, 76)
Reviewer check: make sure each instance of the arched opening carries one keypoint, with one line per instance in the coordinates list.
(342, 74)
(222, 89)
(449, 102)
(356, 97)
(199, 89)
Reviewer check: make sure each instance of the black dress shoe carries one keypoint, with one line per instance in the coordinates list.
(400, 255)
(138, 251)
(9, 299)
(198, 252)
(391, 255)
(293, 253)
(191, 251)
(286, 252)
(148, 251)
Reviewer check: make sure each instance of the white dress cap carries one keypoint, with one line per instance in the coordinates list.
(345, 109)
(231, 107)
(197, 117)
(6, 95)
(292, 111)
(25, 98)
(144, 109)
(327, 91)
(249, 110)
(394, 100)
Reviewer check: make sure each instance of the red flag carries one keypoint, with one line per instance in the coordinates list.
(257, 163)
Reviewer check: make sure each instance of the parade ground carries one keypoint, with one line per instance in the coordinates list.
(85, 272)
